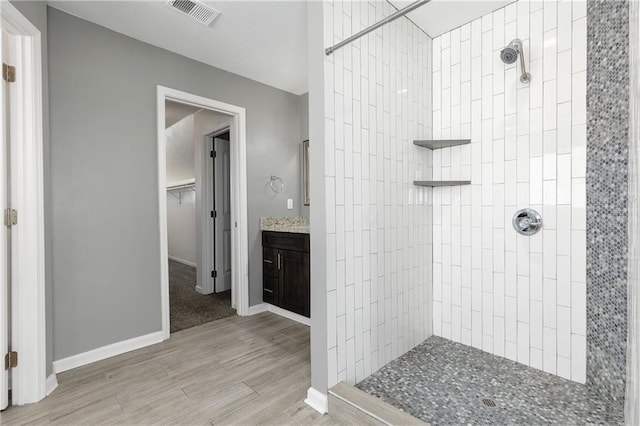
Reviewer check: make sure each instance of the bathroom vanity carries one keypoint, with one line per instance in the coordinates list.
(286, 264)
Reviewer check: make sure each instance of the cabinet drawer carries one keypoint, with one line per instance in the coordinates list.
(286, 241)
(270, 289)
(270, 261)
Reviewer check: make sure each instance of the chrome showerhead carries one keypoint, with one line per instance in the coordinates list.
(510, 54)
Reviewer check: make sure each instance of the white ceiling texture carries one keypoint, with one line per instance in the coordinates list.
(175, 111)
(439, 16)
(261, 40)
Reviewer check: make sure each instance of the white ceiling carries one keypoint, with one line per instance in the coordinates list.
(261, 40)
(174, 112)
(440, 16)
(264, 40)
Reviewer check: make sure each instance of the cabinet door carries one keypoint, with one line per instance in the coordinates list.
(294, 282)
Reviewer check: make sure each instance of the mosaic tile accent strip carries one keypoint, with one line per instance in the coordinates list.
(443, 382)
(606, 181)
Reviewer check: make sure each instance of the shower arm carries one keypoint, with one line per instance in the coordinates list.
(525, 77)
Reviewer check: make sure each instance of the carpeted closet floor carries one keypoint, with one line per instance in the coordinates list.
(189, 308)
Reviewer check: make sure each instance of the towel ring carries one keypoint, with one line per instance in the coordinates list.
(277, 185)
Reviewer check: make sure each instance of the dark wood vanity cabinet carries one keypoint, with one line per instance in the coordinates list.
(285, 269)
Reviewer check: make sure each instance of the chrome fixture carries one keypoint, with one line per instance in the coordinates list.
(510, 54)
(527, 221)
(329, 50)
(276, 184)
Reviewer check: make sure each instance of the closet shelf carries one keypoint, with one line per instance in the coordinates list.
(441, 143)
(434, 183)
(183, 187)
(178, 188)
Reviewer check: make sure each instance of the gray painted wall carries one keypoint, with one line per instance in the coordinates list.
(304, 116)
(104, 209)
(319, 265)
(36, 13)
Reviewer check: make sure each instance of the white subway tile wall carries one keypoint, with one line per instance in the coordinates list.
(378, 100)
(511, 295)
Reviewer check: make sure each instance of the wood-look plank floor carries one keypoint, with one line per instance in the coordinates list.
(238, 370)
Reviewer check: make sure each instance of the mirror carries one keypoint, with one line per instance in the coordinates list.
(305, 172)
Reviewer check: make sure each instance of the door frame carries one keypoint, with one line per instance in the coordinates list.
(28, 314)
(239, 239)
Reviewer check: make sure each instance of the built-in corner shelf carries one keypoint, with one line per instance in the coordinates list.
(438, 144)
(433, 183)
(441, 143)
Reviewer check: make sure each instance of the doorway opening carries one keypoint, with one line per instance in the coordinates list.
(198, 192)
(202, 177)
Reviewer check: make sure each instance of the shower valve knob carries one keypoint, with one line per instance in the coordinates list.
(527, 221)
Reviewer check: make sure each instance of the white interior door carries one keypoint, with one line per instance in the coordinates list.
(4, 232)
(222, 227)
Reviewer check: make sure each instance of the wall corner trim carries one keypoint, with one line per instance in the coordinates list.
(317, 400)
(52, 383)
(107, 351)
(28, 300)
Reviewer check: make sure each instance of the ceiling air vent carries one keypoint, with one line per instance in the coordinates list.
(195, 9)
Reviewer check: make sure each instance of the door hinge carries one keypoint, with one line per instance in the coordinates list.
(10, 217)
(214, 274)
(11, 360)
(213, 154)
(8, 73)
(214, 214)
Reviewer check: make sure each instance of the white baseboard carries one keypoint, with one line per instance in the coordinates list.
(317, 400)
(108, 351)
(202, 291)
(288, 314)
(257, 309)
(268, 307)
(52, 383)
(184, 262)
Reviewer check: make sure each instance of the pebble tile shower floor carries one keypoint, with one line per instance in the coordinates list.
(443, 382)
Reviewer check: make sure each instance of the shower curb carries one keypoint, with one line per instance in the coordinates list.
(351, 405)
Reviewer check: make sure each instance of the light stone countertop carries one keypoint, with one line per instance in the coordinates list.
(298, 225)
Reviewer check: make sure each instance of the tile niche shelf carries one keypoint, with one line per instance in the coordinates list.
(441, 143)
(438, 144)
(433, 183)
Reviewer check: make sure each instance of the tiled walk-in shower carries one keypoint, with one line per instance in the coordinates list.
(443, 382)
(536, 324)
